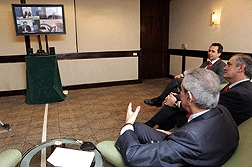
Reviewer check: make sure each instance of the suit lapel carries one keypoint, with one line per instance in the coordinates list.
(215, 64)
(204, 64)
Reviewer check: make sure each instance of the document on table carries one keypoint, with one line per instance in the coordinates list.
(64, 157)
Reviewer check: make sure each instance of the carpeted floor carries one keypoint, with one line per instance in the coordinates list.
(94, 115)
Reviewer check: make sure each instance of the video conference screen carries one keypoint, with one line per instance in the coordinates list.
(37, 19)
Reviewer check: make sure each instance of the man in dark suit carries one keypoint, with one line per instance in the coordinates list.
(208, 139)
(24, 28)
(238, 99)
(215, 64)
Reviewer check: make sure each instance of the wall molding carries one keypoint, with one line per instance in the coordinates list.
(196, 53)
(72, 56)
(88, 55)
(201, 54)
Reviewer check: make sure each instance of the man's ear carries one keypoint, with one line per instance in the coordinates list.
(190, 98)
(242, 68)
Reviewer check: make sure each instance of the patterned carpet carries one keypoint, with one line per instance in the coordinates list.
(94, 115)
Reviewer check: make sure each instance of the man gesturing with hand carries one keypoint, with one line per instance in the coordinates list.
(204, 141)
(130, 118)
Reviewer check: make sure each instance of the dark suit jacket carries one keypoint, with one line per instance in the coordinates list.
(238, 100)
(21, 29)
(208, 140)
(217, 67)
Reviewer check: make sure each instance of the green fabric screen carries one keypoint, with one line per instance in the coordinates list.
(43, 80)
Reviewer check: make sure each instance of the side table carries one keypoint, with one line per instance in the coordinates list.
(27, 157)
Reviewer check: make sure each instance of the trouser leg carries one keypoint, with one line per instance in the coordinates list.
(162, 116)
(178, 119)
(171, 87)
(147, 134)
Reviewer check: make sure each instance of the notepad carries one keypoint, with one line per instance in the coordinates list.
(65, 157)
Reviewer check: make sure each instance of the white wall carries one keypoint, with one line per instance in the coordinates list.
(190, 24)
(108, 25)
(75, 72)
(13, 76)
(111, 25)
(106, 70)
(175, 69)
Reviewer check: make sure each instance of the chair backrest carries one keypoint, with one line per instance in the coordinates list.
(243, 154)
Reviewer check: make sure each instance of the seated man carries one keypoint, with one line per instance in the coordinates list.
(141, 145)
(238, 99)
(215, 64)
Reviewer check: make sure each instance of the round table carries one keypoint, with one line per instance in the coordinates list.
(27, 157)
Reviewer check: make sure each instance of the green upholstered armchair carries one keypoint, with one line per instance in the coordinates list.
(241, 157)
(10, 158)
(243, 153)
(111, 154)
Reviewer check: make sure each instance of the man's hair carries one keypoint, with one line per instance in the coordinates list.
(220, 47)
(247, 61)
(204, 86)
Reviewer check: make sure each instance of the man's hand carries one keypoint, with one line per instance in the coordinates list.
(131, 116)
(177, 76)
(170, 99)
(165, 132)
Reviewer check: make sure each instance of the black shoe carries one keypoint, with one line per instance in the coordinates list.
(153, 102)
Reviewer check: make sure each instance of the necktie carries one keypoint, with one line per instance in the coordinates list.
(209, 65)
(226, 88)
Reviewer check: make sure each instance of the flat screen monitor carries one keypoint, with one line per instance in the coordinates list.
(38, 19)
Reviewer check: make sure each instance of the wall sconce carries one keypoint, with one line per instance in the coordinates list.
(216, 17)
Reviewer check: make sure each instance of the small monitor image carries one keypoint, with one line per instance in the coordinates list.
(37, 19)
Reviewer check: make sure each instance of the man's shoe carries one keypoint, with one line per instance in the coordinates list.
(153, 102)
